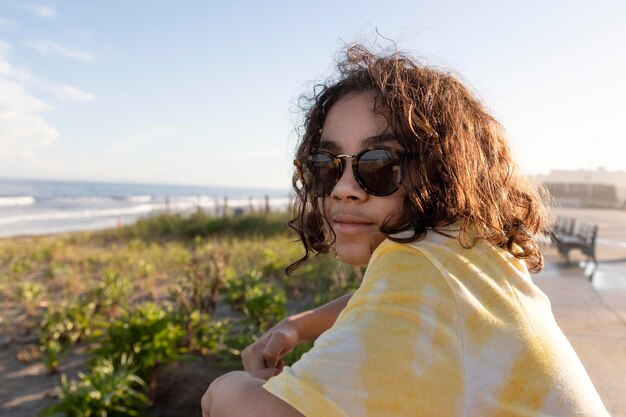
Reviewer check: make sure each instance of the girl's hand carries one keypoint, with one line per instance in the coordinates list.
(270, 349)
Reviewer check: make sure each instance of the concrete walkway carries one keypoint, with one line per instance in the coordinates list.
(593, 317)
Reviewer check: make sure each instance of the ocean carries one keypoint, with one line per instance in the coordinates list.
(29, 207)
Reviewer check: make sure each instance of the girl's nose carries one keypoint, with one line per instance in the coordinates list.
(347, 188)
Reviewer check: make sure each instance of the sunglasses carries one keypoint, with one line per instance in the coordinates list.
(378, 170)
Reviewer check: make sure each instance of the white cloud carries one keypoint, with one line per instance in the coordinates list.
(41, 10)
(13, 96)
(21, 77)
(6, 69)
(48, 47)
(25, 132)
(5, 48)
(69, 93)
(131, 142)
(7, 24)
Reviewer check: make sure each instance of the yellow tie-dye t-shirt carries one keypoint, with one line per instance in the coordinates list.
(439, 330)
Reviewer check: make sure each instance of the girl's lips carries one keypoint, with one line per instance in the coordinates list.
(350, 224)
(348, 228)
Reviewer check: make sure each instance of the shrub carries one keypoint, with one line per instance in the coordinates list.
(295, 355)
(113, 291)
(52, 352)
(20, 266)
(148, 332)
(238, 339)
(112, 389)
(242, 258)
(272, 262)
(204, 335)
(29, 294)
(264, 304)
(177, 226)
(61, 329)
(200, 287)
(327, 278)
(236, 287)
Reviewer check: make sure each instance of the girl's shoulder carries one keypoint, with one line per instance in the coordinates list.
(444, 248)
(440, 260)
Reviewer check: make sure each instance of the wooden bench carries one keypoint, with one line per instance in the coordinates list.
(567, 235)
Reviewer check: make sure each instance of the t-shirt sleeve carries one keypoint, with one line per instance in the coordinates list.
(395, 350)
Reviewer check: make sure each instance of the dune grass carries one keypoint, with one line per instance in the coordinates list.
(164, 289)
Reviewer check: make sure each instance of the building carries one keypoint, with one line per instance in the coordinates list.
(584, 188)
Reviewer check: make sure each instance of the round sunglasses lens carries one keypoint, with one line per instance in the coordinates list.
(380, 171)
(326, 170)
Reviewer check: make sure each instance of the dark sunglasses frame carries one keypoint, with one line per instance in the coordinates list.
(398, 156)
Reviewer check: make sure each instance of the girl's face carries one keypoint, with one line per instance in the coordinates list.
(354, 215)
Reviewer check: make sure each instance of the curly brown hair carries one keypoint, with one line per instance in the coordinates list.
(461, 170)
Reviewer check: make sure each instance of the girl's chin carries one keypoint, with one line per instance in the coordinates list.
(357, 256)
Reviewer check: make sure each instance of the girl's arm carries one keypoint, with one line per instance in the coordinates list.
(269, 349)
(241, 394)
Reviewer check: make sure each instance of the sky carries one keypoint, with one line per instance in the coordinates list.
(206, 93)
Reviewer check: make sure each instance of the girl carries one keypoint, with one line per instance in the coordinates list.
(402, 169)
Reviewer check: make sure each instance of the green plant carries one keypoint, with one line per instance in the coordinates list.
(29, 294)
(204, 335)
(202, 224)
(326, 278)
(91, 280)
(71, 323)
(42, 253)
(272, 262)
(236, 287)
(20, 266)
(264, 304)
(342, 282)
(200, 287)
(241, 336)
(52, 352)
(295, 355)
(112, 291)
(148, 332)
(111, 389)
(61, 329)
